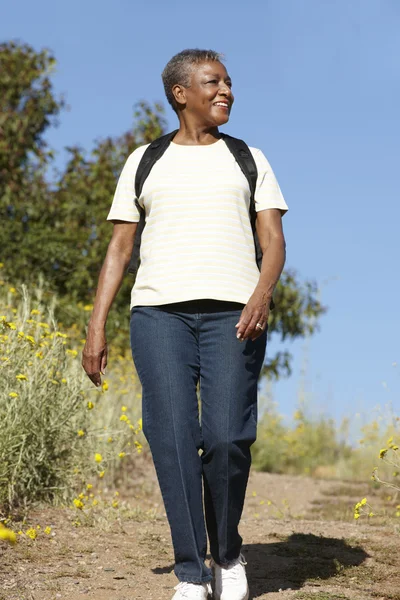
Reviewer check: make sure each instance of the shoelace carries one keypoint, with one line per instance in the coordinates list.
(187, 590)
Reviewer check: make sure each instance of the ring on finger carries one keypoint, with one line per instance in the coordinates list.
(259, 326)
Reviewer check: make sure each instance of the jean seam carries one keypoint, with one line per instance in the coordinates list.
(179, 463)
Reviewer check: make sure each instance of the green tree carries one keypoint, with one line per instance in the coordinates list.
(58, 228)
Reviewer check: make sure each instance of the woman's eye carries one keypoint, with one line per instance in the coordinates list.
(212, 81)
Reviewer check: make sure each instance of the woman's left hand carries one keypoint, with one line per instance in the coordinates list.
(255, 311)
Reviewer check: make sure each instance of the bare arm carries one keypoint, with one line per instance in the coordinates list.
(94, 355)
(272, 242)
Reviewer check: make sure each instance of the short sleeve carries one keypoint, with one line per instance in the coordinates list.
(268, 193)
(123, 206)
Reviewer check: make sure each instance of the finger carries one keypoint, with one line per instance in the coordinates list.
(258, 333)
(95, 378)
(103, 364)
(251, 328)
(91, 362)
(242, 326)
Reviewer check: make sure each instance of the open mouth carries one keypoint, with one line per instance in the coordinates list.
(223, 105)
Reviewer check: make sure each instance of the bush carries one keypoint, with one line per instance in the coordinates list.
(56, 429)
(316, 446)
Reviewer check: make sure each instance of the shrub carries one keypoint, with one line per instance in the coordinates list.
(56, 429)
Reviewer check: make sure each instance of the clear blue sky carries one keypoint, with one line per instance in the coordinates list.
(317, 86)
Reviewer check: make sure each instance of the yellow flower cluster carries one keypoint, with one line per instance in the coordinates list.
(359, 509)
(7, 534)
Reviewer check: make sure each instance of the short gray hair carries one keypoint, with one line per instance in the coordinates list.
(178, 69)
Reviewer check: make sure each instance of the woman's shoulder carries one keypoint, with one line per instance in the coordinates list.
(135, 156)
(259, 157)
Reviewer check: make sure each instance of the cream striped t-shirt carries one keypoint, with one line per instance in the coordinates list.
(197, 242)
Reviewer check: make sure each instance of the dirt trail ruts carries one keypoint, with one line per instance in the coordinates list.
(300, 541)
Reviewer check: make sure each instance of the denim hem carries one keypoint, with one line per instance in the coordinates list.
(226, 563)
(189, 579)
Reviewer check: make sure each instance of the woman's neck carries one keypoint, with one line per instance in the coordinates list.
(192, 135)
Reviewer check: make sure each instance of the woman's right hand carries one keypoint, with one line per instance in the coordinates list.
(94, 355)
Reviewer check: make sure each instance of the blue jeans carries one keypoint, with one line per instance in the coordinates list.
(174, 346)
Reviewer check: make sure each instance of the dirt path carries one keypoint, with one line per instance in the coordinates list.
(300, 542)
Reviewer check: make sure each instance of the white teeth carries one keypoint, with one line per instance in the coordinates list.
(221, 104)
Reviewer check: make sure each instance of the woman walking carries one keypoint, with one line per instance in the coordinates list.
(199, 313)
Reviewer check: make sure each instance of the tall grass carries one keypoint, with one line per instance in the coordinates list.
(315, 445)
(56, 429)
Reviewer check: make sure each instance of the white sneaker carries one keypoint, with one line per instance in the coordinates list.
(230, 583)
(192, 591)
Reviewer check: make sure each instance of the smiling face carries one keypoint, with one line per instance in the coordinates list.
(208, 100)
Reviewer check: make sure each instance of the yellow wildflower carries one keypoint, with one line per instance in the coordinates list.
(73, 353)
(39, 355)
(124, 408)
(121, 454)
(382, 452)
(89, 486)
(140, 423)
(48, 530)
(95, 502)
(78, 503)
(123, 418)
(30, 339)
(371, 514)
(21, 334)
(32, 533)
(11, 325)
(44, 325)
(7, 534)
(356, 515)
(13, 394)
(104, 386)
(63, 380)
(1, 265)
(81, 496)
(101, 474)
(61, 335)
(81, 433)
(363, 502)
(110, 439)
(88, 307)
(139, 446)
(114, 504)
(394, 447)
(12, 290)
(21, 377)
(34, 311)
(90, 405)
(98, 457)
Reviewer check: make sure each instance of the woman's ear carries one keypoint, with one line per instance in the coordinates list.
(179, 93)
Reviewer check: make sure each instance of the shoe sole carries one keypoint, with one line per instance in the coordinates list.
(214, 597)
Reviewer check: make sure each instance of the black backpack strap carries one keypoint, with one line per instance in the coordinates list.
(151, 155)
(245, 160)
